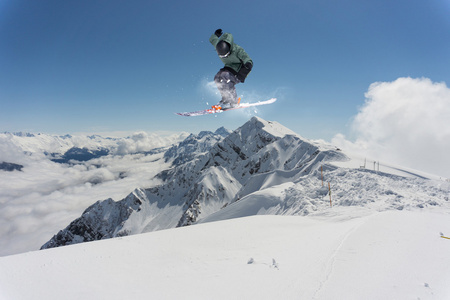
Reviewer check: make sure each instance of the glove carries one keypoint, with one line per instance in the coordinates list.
(218, 32)
(243, 72)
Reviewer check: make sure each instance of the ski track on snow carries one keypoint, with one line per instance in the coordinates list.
(329, 266)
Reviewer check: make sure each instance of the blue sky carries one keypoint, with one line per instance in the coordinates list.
(96, 66)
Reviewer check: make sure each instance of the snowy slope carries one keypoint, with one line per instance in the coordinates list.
(281, 194)
(341, 254)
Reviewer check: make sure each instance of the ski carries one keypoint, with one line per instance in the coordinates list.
(215, 111)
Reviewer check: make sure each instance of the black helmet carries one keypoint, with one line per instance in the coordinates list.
(223, 49)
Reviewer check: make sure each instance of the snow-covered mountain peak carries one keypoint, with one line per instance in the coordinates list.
(223, 131)
(194, 145)
(209, 172)
(271, 127)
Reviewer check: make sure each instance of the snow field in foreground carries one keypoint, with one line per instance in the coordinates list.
(346, 254)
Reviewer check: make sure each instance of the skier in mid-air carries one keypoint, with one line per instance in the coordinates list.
(238, 65)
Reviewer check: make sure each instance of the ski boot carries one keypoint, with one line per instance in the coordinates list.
(226, 105)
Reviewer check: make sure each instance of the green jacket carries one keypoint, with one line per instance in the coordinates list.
(237, 58)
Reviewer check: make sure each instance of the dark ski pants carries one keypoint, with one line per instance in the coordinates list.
(226, 81)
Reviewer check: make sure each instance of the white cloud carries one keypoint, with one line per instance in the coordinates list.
(9, 152)
(46, 196)
(143, 141)
(406, 122)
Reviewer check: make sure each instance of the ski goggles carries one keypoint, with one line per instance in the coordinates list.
(225, 55)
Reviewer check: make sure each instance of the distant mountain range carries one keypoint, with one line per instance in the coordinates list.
(71, 149)
(56, 144)
(260, 168)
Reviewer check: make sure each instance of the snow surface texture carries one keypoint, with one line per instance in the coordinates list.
(380, 240)
(341, 254)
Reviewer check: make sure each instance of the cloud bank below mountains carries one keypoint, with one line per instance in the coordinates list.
(406, 122)
(46, 196)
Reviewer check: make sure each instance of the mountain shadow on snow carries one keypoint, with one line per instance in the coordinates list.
(7, 166)
(79, 155)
